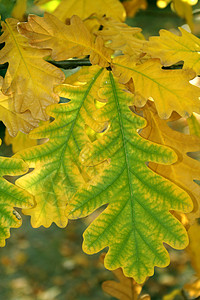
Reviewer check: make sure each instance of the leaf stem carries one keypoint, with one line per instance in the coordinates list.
(71, 63)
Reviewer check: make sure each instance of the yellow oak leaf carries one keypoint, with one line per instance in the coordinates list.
(122, 37)
(19, 10)
(170, 89)
(66, 41)
(84, 8)
(193, 288)
(185, 169)
(19, 142)
(14, 121)
(29, 79)
(125, 288)
(132, 6)
(171, 48)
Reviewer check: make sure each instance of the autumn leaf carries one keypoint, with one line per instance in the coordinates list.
(172, 48)
(66, 41)
(29, 79)
(193, 288)
(125, 288)
(11, 196)
(121, 37)
(110, 8)
(132, 6)
(14, 121)
(170, 89)
(58, 172)
(186, 169)
(137, 220)
(19, 142)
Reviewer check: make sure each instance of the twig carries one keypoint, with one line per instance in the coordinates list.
(71, 63)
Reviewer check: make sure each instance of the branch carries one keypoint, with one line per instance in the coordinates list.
(71, 63)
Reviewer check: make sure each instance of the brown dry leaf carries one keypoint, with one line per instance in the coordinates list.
(14, 121)
(125, 288)
(185, 169)
(19, 142)
(66, 41)
(29, 79)
(132, 6)
(120, 36)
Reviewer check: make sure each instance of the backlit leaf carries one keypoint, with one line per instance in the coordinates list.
(11, 196)
(170, 89)
(137, 220)
(66, 41)
(172, 48)
(186, 169)
(29, 79)
(58, 172)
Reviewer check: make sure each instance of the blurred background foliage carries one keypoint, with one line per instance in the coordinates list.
(48, 264)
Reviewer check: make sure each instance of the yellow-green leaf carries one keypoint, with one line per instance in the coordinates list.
(66, 41)
(172, 48)
(29, 79)
(136, 220)
(11, 196)
(170, 89)
(19, 9)
(194, 125)
(132, 6)
(57, 171)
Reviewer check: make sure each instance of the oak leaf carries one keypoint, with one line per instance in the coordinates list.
(125, 288)
(137, 220)
(19, 9)
(194, 125)
(65, 41)
(170, 89)
(121, 37)
(57, 171)
(19, 142)
(185, 170)
(172, 48)
(14, 121)
(11, 196)
(110, 8)
(29, 79)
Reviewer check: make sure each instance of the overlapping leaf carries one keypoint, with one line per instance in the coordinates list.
(58, 172)
(11, 196)
(172, 48)
(19, 142)
(66, 41)
(29, 79)
(136, 221)
(19, 9)
(121, 37)
(84, 8)
(170, 89)
(125, 288)
(14, 121)
(194, 125)
(185, 170)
